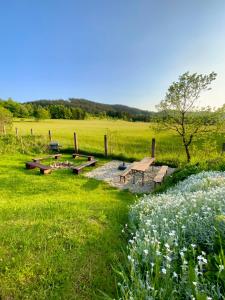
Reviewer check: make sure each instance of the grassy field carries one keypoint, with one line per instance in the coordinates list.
(60, 234)
(132, 140)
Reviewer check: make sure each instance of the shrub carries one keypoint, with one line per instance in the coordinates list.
(24, 144)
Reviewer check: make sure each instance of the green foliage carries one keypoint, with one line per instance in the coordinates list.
(10, 144)
(5, 119)
(41, 114)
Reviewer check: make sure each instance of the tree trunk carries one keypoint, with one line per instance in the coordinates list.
(187, 153)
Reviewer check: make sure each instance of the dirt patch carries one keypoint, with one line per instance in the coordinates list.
(110, 173)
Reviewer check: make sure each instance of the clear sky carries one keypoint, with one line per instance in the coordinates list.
(111, 51)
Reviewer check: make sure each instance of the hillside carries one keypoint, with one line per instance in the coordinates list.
(94, 107)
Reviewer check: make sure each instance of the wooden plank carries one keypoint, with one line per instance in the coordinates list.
(89, 157)
(55, 156)
(161, 174)
(163, 170)
(127, 171)
(78, 169)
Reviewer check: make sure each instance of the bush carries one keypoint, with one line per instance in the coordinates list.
(25, 144)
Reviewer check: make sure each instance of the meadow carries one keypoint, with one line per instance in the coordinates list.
(126, 139)
(61, 234)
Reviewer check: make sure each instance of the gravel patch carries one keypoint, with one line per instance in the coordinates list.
(110, 173)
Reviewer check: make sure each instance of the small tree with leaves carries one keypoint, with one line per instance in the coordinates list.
(179, 110)
(6, 119)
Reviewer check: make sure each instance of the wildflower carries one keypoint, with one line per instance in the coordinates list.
(167, 246)
(193, 246)
(175, 275)
(194, 283)
(221, 268)
(163, 270)
(146, 252)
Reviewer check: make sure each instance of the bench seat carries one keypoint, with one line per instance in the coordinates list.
(160, 175)
(89, 157)
(78, 169)
(55, 156)
(126, 172)
(43, 169)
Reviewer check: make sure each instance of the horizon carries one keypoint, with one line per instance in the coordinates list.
(113, 53)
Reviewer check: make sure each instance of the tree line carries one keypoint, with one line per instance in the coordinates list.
(73, 109)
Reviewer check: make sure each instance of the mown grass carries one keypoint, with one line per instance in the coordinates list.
(60, 234)
(132, 140)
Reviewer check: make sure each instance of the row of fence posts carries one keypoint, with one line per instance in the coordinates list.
(75, 139)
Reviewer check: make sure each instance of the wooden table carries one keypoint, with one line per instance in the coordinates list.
(142, 167)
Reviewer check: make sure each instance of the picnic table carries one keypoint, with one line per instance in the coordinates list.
(142, 167)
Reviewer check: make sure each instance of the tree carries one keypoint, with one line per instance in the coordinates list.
(40, 113)
(6, 118)
(180, 112)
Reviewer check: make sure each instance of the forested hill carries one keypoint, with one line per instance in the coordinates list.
(96, 108)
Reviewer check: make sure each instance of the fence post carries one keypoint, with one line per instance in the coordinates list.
(223, 148)
(31, 131)
(106, 145)
(50, 135)
(16, 132)
(153, 147)
(75, 142)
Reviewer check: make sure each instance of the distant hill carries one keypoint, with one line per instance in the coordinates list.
(91, 106)
(96, 108)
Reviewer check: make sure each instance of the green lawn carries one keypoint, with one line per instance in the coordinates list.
(132, 140)
(60, 233)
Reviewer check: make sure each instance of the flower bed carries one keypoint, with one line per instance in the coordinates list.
(176, 250)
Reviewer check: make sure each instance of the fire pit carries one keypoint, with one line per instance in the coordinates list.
(62, 165)
(122, 167)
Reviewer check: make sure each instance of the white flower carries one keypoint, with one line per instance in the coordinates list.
(194, 283)
(221, 268)
(145, 252)
(175, 275)
(163, 270)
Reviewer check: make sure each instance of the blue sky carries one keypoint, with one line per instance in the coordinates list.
(111, 51)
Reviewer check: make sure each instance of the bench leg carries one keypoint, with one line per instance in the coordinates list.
(133, 178)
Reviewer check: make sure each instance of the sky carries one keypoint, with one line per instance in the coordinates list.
(110, 51)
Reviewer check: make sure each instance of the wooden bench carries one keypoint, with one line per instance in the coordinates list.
(126, 172)
(55, 156)
(78, 169)
(160, 175)
(43, 169)
(89, 157)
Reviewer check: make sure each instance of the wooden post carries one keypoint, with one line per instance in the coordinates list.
(153, 147)
(223, 148)
(75, 142)
(50, 135)
(31, 131)
(16, 132)
(106, 145)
